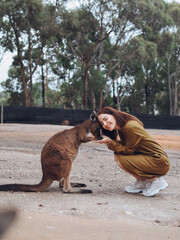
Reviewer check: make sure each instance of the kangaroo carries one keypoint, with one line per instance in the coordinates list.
(57, 156)
(65, 122)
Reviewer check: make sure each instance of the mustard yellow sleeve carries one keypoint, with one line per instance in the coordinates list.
(133, 135)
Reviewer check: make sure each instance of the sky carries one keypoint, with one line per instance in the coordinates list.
(7, 60)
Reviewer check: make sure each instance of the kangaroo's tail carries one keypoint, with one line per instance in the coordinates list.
(41, 187)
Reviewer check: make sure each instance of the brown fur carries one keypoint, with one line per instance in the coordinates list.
(57, 156)
(65, 122)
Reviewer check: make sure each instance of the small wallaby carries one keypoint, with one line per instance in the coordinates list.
(65, 122)
(57, 156)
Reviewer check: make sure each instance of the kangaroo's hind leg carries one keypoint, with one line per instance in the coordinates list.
(66, 182)
(67, 187)
(73, 185)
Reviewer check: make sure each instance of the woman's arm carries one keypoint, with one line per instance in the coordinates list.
(133, 132)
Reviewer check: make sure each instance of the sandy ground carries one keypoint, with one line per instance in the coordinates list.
(109, 213)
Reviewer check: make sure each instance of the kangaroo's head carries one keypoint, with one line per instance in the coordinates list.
(90, 129)
(96, 129)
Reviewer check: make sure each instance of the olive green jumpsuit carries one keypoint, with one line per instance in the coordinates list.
(139, 153)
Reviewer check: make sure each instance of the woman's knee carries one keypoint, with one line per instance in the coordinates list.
(165, 168)
(115, 157)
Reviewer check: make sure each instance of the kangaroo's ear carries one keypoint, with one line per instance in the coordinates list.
(93, 116)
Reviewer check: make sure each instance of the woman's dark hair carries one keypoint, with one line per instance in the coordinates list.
(121, 117)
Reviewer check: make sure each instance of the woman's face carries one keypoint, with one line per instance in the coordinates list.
(108, 121)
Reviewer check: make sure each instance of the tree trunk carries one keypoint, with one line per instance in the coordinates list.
(24, 84)
(22, 70)
(175, 96)
(30, 70)
(147, 98)
(176, 110)
(118, 100)
(47, 87)
(100, 99)
(43, 87)
(25, 91)
(85, 83)
(169, 86)
(178, 103)
(114, 94)
(93, 100)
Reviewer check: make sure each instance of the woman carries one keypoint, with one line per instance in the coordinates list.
(135, 151)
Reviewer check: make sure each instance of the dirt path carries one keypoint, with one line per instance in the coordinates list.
(108, 213)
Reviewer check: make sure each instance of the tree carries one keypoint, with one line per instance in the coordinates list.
(13, 85)
(121, 53)
(173, 77)
(151, 18)
(169, 52)
(80, 34)
(27, 24)
(130, 19)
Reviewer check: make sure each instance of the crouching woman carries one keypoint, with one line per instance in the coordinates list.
(135, 151)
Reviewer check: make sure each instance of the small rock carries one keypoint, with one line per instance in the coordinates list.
(102, 203)
(157, 221)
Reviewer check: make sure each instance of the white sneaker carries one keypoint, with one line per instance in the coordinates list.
(137, 187)
(155, 187)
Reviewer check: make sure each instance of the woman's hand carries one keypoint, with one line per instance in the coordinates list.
(105, 139)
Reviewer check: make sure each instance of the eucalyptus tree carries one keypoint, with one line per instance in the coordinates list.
(92, 36)
(130, 18)
(170, 59)
(80, 38)
(13, 84)
(151, 18)
(26, 26)
(143, 73)
(110, 57)
(97, 41)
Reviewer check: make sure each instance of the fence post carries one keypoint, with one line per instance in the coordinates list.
(2, 117)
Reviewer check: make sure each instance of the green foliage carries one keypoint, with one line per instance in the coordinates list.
(100, 53)
(174, 11)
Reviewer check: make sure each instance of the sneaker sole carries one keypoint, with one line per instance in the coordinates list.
(156, 191)
(135, 191)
